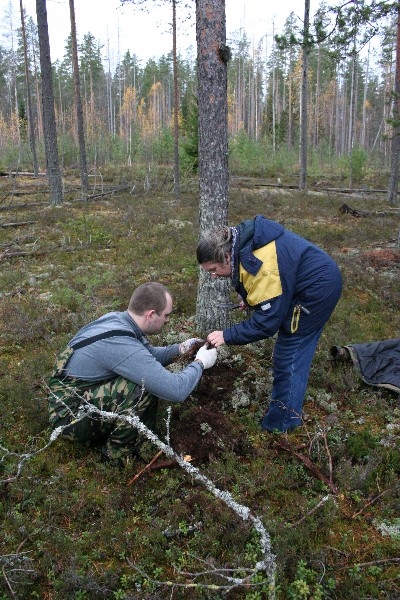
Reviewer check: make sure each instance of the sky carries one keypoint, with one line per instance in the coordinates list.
(121, 28)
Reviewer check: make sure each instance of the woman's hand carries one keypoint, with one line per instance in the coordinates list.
(216, 338)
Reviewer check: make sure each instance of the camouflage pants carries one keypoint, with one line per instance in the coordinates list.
(118, 395)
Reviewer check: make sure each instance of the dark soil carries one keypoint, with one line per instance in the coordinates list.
(201, 426)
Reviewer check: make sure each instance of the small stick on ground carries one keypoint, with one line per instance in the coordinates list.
(371, 502)
(309, 464)
(145, 468)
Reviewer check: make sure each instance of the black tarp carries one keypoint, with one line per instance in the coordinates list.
(377, 362)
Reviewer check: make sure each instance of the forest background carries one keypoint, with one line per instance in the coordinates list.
(128, 110)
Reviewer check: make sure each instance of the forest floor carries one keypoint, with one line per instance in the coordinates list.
(327, 493)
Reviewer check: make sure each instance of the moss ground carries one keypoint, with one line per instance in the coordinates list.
(73, 527)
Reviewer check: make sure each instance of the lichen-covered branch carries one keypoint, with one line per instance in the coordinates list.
(267, 562)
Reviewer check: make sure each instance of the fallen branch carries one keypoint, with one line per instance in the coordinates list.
(246, 581)
(20, 224)
(266, 564)
(17, 253)
(372, 501)
(285, 445)
(346, 209)
(26, 205)
(13, 594)
(373, 563)
(15, 563)
(352, 190)
(311, 511)
(21, 173)
(100, 195)
(153, 460)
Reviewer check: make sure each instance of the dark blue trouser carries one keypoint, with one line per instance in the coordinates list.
(293, 356)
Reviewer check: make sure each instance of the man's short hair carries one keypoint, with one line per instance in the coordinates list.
(149, 296)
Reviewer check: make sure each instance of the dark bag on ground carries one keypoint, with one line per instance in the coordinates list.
(377, 362)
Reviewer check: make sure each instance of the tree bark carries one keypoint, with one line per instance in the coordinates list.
(395, 154)
(78, 105)
(364, 110)
(304, 99)
(177, 185)
(49, 119)
(212, 58)
(32, 137)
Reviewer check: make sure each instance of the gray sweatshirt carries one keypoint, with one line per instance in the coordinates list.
(134, 359)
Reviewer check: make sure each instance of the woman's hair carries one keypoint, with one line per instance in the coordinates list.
(214, 245)
(149, 296)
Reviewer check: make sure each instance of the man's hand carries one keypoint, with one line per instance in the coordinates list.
(189, 345)
(216, 338)
(206, 356)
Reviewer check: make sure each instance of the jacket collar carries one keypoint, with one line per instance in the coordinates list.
(251, 235)
(132, 324)
(242, 251)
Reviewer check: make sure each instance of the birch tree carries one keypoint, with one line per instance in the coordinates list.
(212, 58)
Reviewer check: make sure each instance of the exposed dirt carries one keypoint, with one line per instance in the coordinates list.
(201, 428)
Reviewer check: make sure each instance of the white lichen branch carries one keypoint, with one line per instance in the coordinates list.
(23, 458)
(266, 564)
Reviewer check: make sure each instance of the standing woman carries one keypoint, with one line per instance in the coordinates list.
(293, 287)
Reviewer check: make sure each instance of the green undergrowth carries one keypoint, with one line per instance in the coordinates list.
(73, 527)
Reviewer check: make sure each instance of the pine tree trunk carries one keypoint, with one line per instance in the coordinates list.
(364, 110)
(49, 119)
(36, 77)
(304, 97)
(395, 151)
(273, 93)
(213, 148)
(317, 101)
(78, 103)
(32, 137)
(177, 184)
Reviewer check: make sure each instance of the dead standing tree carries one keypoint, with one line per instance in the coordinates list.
(49, 118)
(212, 59)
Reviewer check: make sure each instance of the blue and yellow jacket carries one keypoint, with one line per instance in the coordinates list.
(291, 284)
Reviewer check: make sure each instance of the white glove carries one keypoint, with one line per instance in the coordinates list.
(207, 357)
(188, 344)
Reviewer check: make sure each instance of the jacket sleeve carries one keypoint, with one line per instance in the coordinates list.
(164, 354)
(264, 323)
(142, 367)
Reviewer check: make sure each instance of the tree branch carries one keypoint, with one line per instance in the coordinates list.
(267, 563)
